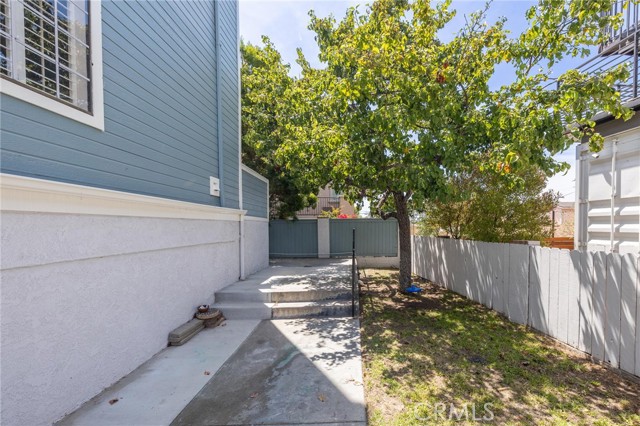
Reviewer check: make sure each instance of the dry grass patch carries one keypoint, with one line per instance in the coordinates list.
(439, 347)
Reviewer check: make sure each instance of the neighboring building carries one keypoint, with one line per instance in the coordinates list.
(562, 219)
(124, 203)
(608, 190)
(328, 200)
(608, 182)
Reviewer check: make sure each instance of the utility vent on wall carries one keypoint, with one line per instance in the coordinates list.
(214, 186)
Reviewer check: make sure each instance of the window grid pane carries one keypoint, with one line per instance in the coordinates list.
(52, 40)
(5, 39)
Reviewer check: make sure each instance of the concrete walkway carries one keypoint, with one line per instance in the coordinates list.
(286, 372)
(158, 390)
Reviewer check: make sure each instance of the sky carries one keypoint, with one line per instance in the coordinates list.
(285, 23)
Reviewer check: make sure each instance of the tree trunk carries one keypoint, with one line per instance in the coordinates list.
(404, 228)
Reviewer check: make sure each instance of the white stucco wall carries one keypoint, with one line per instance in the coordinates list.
(324, 239)
(378, 262)
(88, 298)
(256, 234)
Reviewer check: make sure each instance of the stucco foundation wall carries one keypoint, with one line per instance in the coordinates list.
(86, 299)
(378, 261)
(256, 237)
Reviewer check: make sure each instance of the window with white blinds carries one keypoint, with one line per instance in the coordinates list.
(45, 45)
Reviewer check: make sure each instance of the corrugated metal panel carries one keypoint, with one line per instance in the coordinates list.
(289, 238)
(160, 109)
(254, 195)
(609, 182)
(374, 237)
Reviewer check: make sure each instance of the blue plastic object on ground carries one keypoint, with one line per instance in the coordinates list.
(413, 289)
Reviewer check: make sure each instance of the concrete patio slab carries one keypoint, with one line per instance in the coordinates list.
(296, 371)
(291, 288)
(298, 275)
(288, 372)
(158, 390)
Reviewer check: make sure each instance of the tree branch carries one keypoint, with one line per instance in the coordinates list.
(385, 215)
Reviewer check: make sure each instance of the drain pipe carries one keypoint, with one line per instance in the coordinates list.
(577, 224)
(219, 103)
(241, 230)
(240, 197)
(614, 151)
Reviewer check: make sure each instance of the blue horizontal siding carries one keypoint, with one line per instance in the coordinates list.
(230, 89)
(254, 195)
(160, 138)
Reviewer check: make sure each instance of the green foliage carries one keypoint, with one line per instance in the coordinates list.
(332, 214)
(266, 114)
(490, 206)
(396, 111)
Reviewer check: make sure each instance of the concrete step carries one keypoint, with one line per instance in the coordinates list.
(282, 310)
(233, 295)
(333, 309)
(243, 310)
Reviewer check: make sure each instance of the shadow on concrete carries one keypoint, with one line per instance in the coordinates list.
(288, 372)
(343, 338)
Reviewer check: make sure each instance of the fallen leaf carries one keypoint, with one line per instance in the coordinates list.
(207, 373)
(113, 401)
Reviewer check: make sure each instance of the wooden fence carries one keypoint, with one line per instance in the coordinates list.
(566, 243)
(589, 300)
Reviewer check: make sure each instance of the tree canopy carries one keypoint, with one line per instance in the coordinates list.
(488, 206)
(266, 114)
(397, 110)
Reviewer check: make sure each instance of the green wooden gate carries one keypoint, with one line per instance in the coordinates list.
(374, 237)
(293, 238)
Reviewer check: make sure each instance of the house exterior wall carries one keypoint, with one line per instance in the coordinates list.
(112, 236)
(328, 200)
(255, 193)
(344, 206)
(563, 217)
(229, 99)
(256, 244)
(160, 101)
(99, 316)
(255, 200)
(608, 191)
(108, 284)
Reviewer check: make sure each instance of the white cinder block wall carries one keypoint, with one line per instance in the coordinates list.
(86, 298)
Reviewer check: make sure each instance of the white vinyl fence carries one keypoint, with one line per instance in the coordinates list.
(589, 300)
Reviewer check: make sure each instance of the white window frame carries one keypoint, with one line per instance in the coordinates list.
(95, 118)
